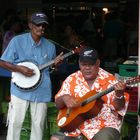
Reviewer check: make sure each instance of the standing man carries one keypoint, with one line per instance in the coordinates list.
(32, 47)
(109, 109)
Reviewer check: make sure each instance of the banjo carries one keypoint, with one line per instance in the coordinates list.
(30, 83)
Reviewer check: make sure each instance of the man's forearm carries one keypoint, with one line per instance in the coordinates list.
(8, 66)
(119, 103)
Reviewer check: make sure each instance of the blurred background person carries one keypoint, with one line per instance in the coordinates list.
(14, 29)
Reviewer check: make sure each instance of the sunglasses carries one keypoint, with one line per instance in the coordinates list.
(43, 25)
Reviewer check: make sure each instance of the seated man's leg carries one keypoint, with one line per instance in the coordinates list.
(61, 136)
(58, 136)
(107, 133)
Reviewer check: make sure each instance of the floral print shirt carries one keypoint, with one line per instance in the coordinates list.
(75, 85)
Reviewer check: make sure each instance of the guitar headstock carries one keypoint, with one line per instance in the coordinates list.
(133, 80)
(79, 47)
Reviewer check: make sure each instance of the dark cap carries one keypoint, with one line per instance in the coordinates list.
(38, 18)
(88, 55)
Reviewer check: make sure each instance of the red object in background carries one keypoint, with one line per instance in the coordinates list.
(133, 100)
(8, 98)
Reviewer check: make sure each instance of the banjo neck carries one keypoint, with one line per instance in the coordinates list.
(50, 63)
(29, 83)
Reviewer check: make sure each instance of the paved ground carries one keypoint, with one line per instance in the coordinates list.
(3, 136)
(3, 132)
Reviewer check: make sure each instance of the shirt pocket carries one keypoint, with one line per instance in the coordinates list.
(45, 58)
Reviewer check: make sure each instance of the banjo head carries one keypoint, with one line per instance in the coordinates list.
(24, 82)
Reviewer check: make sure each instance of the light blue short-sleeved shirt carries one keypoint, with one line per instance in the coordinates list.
(23, 48)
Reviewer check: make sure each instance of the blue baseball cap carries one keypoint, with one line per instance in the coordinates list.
(38, 18)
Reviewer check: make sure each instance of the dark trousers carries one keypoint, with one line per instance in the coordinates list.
(106, 133)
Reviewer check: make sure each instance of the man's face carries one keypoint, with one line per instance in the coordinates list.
(89, 70)
(38, 29)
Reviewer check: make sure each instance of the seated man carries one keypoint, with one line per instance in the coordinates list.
(109, 107)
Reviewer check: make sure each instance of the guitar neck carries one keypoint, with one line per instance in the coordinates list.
(99, 94)
(50, 63)
(96, 96)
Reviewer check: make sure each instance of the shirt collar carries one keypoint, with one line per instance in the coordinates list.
(33, 43)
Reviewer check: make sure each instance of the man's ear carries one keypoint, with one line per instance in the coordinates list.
(30, 25)
(98, 62)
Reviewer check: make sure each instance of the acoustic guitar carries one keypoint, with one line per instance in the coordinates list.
(30, 83)
(90, 105)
